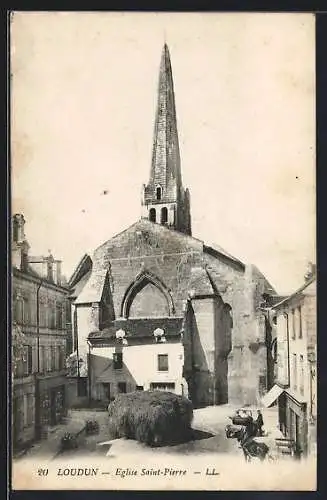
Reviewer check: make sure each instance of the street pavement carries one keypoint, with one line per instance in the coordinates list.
(209, 424)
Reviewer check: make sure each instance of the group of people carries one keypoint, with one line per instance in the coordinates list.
(253, 427)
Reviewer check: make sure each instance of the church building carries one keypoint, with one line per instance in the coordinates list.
(155, 307)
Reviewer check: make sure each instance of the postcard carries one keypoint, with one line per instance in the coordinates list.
(163, 251)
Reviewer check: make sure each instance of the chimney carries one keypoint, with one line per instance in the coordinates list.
(57, 272)
(50, 261)
(20, 247)
(18, 228)
(311, 272)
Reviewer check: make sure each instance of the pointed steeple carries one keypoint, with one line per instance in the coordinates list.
(165, 165)
(164, 199)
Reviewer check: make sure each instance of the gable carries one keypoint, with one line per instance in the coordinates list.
(83, 267)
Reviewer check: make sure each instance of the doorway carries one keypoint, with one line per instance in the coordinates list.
(106, 391)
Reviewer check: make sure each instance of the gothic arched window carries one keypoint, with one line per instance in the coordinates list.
(164, 215)
(152, 215)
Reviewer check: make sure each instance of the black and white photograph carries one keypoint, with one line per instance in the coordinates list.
(163, 251)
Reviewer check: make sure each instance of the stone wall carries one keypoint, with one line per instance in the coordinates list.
(171, 257)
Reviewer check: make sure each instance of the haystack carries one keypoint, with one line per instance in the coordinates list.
(153, 417)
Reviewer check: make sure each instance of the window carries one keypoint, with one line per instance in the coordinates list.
(26, 311)
(118, 360)
(121, 387)
(295, 371)
(82, 387)
(159, 193)
(18, 309)
(140, 388)
(30, 359)
(162, 386)
(58, 357)
(163, 362)
(301, 375)
(58, 316)
(53, 358)
(152, 215)
(27, 367)
(43, 314)
(293, 324)
(61, 358)
(48, 359)
(300, 322)
(42, 355)
(164, 215)
(52, 312)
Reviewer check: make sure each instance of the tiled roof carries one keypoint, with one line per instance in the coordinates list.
(140, 327)
(306, 288)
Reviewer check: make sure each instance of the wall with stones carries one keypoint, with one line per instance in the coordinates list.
(23, 410)
(247, 361)
(52, 334)
(167, 254)
(170, 256)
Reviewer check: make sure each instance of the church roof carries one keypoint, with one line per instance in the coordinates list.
(213, 249)
(218, 250)
(140, 328)
(80, 285)
(92, 291)
(84, 265)
(200, 283)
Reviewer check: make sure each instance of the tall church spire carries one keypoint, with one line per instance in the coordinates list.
(164, 199)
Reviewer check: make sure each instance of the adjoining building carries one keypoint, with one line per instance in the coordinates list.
(156, 308)
(296, 388)
(40, 315)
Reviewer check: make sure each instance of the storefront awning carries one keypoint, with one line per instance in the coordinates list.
(271, 396)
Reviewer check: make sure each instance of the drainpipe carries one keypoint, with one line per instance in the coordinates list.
(37, 382)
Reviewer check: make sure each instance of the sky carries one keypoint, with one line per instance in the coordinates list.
(83, 98)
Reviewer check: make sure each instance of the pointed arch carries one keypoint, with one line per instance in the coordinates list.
(143, 279)
(152, 215)
(164, 215)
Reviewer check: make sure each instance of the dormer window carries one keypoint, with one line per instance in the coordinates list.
(159, 192)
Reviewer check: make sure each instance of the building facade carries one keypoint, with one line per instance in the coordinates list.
(39, 315)
(155, 307)
(296, 391)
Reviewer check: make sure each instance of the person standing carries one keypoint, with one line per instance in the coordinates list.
(259, 423)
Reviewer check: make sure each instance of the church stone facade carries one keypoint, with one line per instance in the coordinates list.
(156, 308)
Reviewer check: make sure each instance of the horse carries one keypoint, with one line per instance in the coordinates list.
(250, 447)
